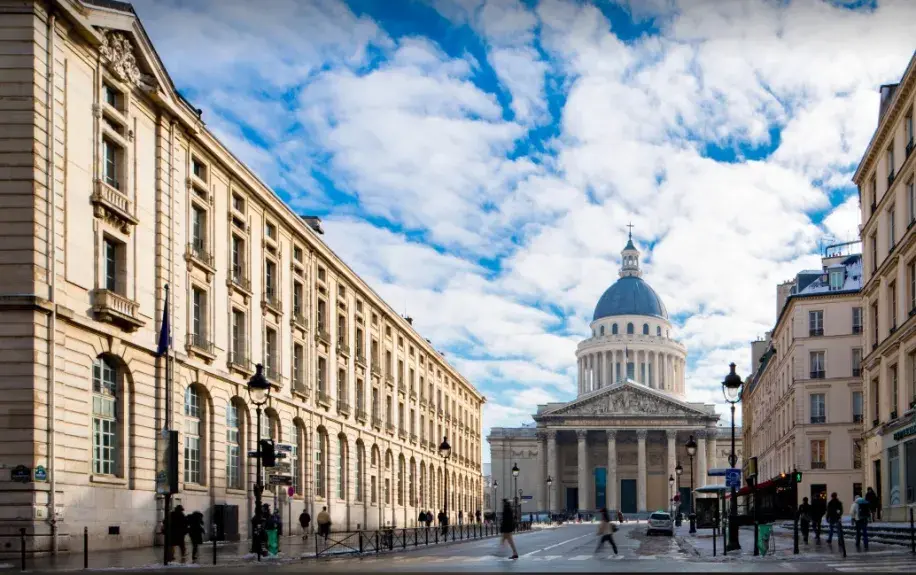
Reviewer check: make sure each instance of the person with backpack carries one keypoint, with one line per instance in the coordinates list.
(507, 527)
(860, 514)
(606, 531)
(324, 523)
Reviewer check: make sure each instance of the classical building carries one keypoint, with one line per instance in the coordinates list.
(887, 195)
(114, 188)
(617, 444)
(802, 408)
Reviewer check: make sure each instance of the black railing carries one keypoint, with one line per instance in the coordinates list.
(398, 539)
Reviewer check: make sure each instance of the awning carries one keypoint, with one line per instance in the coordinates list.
(746, 490)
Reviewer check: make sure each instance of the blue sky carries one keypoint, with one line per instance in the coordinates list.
(476, 161)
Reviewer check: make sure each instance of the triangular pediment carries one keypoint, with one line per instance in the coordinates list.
(626, 399)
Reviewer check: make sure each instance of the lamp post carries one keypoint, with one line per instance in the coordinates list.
(495, 494)
(731, 387)
(258, 393)
(549, 509)
(677, 472)
(515, 479)
(670, 491)
(445, 451)
(691, 451)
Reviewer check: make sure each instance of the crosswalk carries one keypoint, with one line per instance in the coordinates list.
(469, 560)
(889, 565)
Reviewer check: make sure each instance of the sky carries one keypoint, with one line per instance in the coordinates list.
(477, 161)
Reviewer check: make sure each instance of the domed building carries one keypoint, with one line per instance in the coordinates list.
(619, 442)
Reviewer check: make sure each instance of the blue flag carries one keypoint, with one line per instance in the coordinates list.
(165, 332)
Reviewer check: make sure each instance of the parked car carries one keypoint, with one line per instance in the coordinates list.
(661, 521)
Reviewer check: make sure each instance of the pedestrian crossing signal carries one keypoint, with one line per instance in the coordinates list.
(268, 455)
(798, 476)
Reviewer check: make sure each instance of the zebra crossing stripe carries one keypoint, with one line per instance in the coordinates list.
(550, 557)
(581, 557)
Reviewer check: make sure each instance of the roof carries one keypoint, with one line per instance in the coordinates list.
(630, 295)
(852, 278)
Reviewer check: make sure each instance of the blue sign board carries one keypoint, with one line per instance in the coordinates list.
(733, 478)
(717, 472)
(527, 497)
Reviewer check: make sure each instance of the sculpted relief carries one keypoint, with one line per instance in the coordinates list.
(626, 402)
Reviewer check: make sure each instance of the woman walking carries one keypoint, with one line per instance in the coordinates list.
(507, 527)
(606, 531)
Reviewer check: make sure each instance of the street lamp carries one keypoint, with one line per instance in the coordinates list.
(515, 478)
(495, 492)
(549, 509)
(677, 472)
(445, 451)
(731, 388)
(691, 451)
(258, 393)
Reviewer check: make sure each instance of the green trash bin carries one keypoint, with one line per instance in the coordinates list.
(763, 538)
(273, 542)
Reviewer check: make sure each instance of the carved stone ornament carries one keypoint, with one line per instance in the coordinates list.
(118, 54)
(626, 402)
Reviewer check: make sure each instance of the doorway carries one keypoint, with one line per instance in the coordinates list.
(572, 498)
(819, 495)
(878, 483)
(628, 495)
(685, 500)
(600, 488)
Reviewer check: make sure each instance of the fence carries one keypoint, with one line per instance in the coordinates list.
(391, 539)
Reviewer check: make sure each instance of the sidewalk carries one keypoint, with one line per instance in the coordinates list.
(781, 546)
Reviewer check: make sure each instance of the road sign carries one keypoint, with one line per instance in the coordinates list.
(280, 480)
(41, 474)
(282, 467)
(733, 478)
(527, 497)
(21, 474)
(717, 472)
(291, 491)
(286, 447)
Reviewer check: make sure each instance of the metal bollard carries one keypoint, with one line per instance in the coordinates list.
(795, 536)
(715, 536)
(22, 545)
(213, 536)
(912, 533)
(85, 547)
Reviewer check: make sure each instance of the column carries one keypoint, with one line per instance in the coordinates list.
(616, 377)
(641, 475)
(582, 471)
(702, 471)
(539, 476)
(553, 500)
(599, 370)
(711, 451)
(672, 454)
(609, 357)
(611, 488)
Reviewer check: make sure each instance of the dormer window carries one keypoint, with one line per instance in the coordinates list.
(836, 279)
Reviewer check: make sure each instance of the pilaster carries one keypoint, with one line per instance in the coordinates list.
(611, 489)
(582, 471)
(641, 475)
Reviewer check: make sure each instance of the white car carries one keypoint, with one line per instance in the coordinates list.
(661, 521)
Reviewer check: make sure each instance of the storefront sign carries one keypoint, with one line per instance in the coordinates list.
(906, 432)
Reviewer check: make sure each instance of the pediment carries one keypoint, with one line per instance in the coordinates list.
(626, 399)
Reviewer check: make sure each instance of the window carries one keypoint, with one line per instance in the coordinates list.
(198, 317)
(341, 386)
(818, 408)
(601, 330)
(233, 447)
(658, 331)
(322, 375)
(360, 462)
(856, 320)
(857, 454)
(856, 361)
(104, 417)
(908, 131)
(874, 251)
(360, 400)
(238, 259)
(401, 419)
(238, 336)
(297, 300)
(373, 489)
(341, 468)
(614, 329)
(911, 200)
(198, 169)
(892, 305)
(645, 329)
(895, 384)
(818, 368)
(891, 230)
(112, 255)
(270, 281)
(360, 352)
(294, 436)
(111, 167)
(270, 231)
(890, 165)
(191, 436)
(341, 330)
(297, 254)
(298, 358)
(238, 203)
(836, 279)
(320, 470)
(630, 329)
(874, 320)
(400, 486)
(375, 412)
(387, 491)
(271, 361)
(198, 231)
(322, 274)
(819, 454)
(876, 402)
(816, 323)
(111, 96)
(388, 365)
(893, 472)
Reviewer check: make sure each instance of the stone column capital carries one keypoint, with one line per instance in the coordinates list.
(581, 434)
(541, 435)
(641, 434)
(700, 434)
(672, 434)
(551, 434)
(611, 434)
(711, 433)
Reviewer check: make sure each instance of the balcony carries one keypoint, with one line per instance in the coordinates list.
(376, 422)
(423, 400)
(401, 388)
(818, 374)
(299, 318)
(857, 418)
(110, 204)
(323, 398)
(448, 418)
(376, 370)
(413, 394)
(818, 465)
(439, 412)
(238, 360)
(112, 307)
(857, 329)
(343, 408)
(343, 348)
(361, 415)
(199, 344)
(240, 281)
(272, 373)
(389, 427)
(402, 433)
(413, 437)
(271, 300)
(360, 358)
(199, 254)
(815, 332)
(857, 372)
(389, 379)
(817, 419)
(322, 335)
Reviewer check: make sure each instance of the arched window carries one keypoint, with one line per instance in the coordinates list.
(295, 439)
(614, 329)
(602, 330)
(658, 330)
(360, 462)
(342, 467)
(645, 329)
(374, 461)
(630, 329)
(233, 447)
(424, 497)
(400, 486)
(321, 450)
(191, 436)
(105, 432)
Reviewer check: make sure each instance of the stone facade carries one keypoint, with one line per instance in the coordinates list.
(104, 161)
(885, 178)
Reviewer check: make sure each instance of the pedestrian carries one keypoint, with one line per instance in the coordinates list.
(278, 521)
(178, 528)
(606, 531)
(507, 527)
(196, 533)
(429, 518)
(874, 507)
(460, 517)
(304, 521)
(443, 522)
(835, 519)
(477, 515)
(421, 518)
(324, 523)
(620, 517)
(804, 518)
(818, 509)
(860, 513)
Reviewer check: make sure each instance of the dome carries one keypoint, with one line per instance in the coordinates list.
(630, 295)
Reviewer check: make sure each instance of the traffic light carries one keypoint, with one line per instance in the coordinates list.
(268, 455)
(797, 477)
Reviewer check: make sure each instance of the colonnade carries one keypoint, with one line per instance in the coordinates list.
(654, 369)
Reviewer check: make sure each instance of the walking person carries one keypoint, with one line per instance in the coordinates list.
(196, 533)
(178, 528)
(835, 521)
(818, 509)
(860, 514)
(429, 518)
(324, 523)
(874, 507)
(304, 521)
(606, 531)
(507, 527)
(804, 518)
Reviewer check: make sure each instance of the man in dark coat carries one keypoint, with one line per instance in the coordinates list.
(196, 533)
(834, 517)
(429, 518)
(874, 506)
(507, 527)
(304, 521)
(178, 528)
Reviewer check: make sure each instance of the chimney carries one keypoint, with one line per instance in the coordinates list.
(783, 291)
(313, 222)
(887, 94)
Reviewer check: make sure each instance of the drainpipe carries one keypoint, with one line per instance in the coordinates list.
(51, 246)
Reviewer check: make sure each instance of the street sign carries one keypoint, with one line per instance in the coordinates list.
(254, 454)
(717, 472)
(280, 480)
(21, 474)
(733, 478)
(41, 474)
(286, 447)
(282, 467)
(527, 497)
(291, 491)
